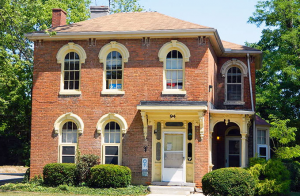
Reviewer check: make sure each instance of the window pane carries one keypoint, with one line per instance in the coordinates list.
(72, 55)
(117, 137)
(106, 138)
(76, 65)
(72, 65)
(190, 151)
(68, 150)
(111, 160)
(112, 137)
(158, 151)
(111, 150)
(64, 137)
(68, 159)
(76, 85)
(263, 151)
(168, 64)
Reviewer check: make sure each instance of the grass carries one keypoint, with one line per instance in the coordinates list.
(35, 189)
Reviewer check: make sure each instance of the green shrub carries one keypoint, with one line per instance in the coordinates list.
(256, 160)
(26, 176)
(228, 181)
(105, 176)
(272, 178)
(59, 173)
(294, 168)
(84, 164)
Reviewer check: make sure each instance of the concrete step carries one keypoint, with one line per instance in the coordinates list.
(171, 190)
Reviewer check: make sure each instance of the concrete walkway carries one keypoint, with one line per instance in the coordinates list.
(11, 177)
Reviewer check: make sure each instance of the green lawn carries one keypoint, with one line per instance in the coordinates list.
(35, 189)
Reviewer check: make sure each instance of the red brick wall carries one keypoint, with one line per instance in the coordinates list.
(143, 81)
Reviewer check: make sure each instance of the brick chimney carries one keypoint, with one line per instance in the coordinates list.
(59, 17)
(98, 11)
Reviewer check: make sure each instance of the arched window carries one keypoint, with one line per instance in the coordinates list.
(174, 54)
(234, 72)
(234, 84)
(174, 70)
(68, 127)
(112, 141)
(71, 71)
(111, 127)
(68, 143)
(113, 56)
(70, 56)
(114, 71)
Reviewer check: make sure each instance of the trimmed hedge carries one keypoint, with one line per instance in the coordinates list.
(83, 166)
(228, 181)
(55, 174)
(105, 176)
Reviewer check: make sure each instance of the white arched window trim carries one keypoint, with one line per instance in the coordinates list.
(162, 55)
(105, 50)
(60, 56)
(224, 70)
(104, 120)
(66, 118)
(58, 126)
(111, 117)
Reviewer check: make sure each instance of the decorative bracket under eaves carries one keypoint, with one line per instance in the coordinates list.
(201, 120)
(145, 124)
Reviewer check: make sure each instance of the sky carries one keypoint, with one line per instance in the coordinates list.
(229, 17)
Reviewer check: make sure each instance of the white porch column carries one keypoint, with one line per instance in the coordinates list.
(244, 150)
(211, 129)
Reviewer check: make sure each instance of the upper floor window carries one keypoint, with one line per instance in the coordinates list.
(114, 71)
(174, 54)
(174, 70)
(234, 72)
(71, 71)
(71, 56)
(113, 56)
(234, 84)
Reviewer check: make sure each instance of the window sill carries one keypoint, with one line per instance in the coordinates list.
(234, 103)
(112, 92)
(173, 92)
(70, 92)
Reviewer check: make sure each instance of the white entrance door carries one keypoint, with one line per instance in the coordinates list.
(233, 152)
(173, 162)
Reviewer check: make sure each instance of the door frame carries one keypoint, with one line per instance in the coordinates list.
(174, 131)
(227, 138)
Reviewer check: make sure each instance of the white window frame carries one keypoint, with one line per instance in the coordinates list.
(60, 56)
(105, 50)
(224, 71)
(107, 118)
(58, 125)
(119, 145)
(61, 144)
(267, 151)
(162, 54)
(242, 87)
(267, 145)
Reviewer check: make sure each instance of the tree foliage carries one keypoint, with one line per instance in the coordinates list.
(278, 82)
(18, 17)
(118, 6)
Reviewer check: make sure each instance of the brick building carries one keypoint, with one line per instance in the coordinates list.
(165, 97)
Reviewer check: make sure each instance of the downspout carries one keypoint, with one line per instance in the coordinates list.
(252, 106)
(250, 82)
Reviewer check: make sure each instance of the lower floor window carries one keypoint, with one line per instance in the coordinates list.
(262, 151)
(68, 154)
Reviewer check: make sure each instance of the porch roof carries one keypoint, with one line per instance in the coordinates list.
(172, 105)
